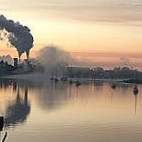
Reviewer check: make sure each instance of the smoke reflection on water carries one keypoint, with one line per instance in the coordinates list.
(93, 102)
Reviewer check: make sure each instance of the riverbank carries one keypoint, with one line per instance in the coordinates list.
(137, 81)
(39, 77)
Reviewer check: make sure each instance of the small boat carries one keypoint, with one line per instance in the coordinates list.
(56, 80)
(70, 82)
(113, 85)
(64, 79)
(135, 90)
(51, 78)
(78, 83)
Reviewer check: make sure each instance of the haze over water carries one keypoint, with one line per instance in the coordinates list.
(60, 112)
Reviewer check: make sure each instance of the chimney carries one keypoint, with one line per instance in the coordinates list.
(15, 62)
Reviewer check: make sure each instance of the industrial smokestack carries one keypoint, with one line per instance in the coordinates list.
(18, 35)
(15, 62)
(27, 53)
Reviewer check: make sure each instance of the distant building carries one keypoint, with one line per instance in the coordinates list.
(5, 68)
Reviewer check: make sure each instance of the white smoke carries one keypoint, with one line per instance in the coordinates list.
(54, 60)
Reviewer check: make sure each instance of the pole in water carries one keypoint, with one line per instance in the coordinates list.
(1, 123)
(27, 53)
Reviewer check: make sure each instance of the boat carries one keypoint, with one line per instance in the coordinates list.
(113, 85)
(135, 90)
(70, 82)
(78, 83)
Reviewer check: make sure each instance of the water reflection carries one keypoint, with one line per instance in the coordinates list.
(135, 104)
(19, 110)
(16, 112)
(78, 113)
(52, 96)
(135, 92)
(98, 83)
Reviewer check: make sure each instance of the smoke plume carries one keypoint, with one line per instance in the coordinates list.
(54, 60)
(18, 35)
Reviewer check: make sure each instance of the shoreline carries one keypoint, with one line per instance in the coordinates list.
(39, 77)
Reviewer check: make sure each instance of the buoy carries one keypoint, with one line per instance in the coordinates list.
(56, 80)
(113, 86)
(70, 82)
(135, 90)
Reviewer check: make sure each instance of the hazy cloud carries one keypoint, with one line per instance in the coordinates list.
(85, 10)
(108, 60)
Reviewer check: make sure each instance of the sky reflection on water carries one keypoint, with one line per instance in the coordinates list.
(61, 112)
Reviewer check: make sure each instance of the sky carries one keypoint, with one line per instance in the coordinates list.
(102, 28)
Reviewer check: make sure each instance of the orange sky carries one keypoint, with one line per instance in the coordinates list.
(104, 26)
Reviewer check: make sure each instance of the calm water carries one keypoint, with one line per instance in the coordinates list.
(49, 112)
